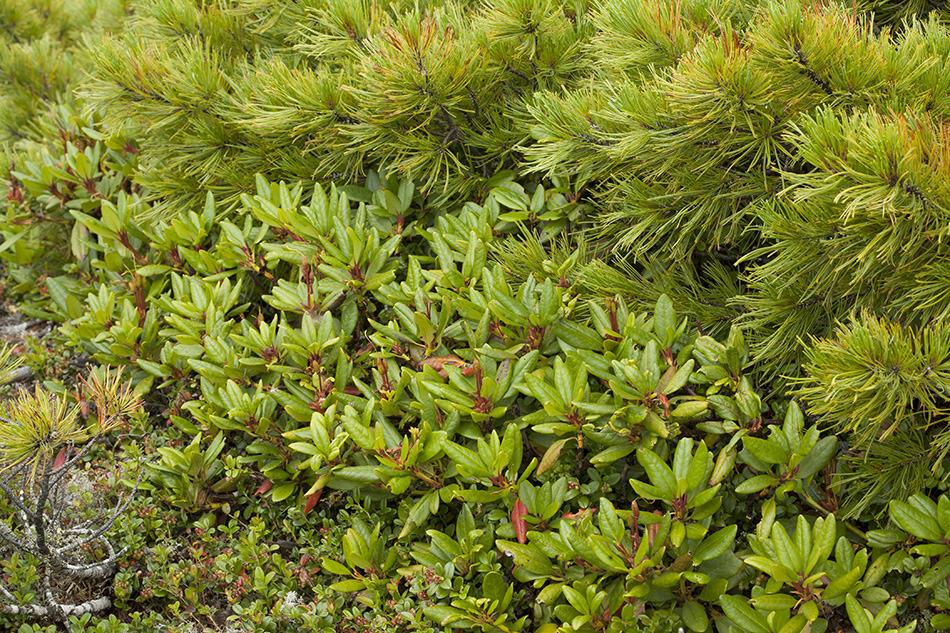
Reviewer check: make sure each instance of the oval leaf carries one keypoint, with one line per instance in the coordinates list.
(518, 513)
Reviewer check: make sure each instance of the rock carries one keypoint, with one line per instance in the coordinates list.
(20, 374)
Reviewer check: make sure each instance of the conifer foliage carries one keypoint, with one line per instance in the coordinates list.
(324, 90)
(41, 56)
(801, 149)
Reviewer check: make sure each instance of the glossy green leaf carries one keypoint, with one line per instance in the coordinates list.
(765, 450)
(659, 473)
(348, 586)
(914, 522)
(756, 484)
(774, 601)
(937, 573)
(715, 544)
(694, 616)
(819, 457)
(744, 616)
(335, 567)
(841, 585)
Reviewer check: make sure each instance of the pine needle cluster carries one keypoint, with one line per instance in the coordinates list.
(888, 386)
(803, 147)
(897, 12)
(327, 90)
(41, 54)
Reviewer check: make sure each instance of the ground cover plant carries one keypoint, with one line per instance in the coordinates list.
(516, 316)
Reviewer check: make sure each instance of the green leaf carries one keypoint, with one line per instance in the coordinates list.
(546, 394)
(283, 491)
(465, 523)
(510, 199)
(694, 616)
(884, 539)
(765, 450)
(664, 318)
(659, 473)
(696, 473)
(359, 474)
(774, 601)
(335, 567)
(16, 238)
(465, 460)
(61, 297)
(214, 449)
(764, 529)
(936, 573)
(823, 542)
(943, 514)
(818, 457)
(494, 586)
(875, 594)
(679, 378)
(528, 556)
(857, 614)
(743, 616)
(576, 599)
(724, 406)
(152, 368)
(610, 524)
(914, 522)
(348, 586)
(511, 446)
(885, 614)
(725, 462)
(929, 549)
(418, 514)
(398, 485)
(689, 409)
(578, 336)
(647, 491)
(152, 270)
(715, 544)
(443, 615)
(551, 454)
(610, 454)
(809, 610)
(841, 585)
(790, 556)
(756, 484)
(709, 350)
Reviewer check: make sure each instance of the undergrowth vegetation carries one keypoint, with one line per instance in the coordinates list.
(516, 316)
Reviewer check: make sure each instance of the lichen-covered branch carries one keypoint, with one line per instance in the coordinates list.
(46, 524)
